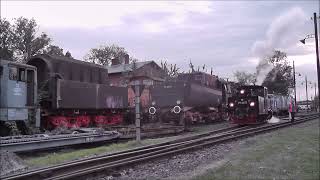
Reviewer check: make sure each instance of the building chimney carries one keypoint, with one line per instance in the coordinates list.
(126, 59)
(115, 61)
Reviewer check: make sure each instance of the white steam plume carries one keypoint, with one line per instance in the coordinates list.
(283, 33)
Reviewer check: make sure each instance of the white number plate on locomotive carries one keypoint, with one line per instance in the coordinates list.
(242, 102)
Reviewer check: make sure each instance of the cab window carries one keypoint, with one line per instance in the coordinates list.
(17, 74)
(13, 73)
(22, 74)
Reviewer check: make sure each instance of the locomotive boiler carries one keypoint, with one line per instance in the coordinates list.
(191, 97)
(74, 93)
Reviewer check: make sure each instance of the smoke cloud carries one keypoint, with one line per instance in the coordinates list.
(283, 33)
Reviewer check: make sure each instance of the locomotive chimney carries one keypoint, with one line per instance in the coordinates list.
(126, 59)
(115, 61)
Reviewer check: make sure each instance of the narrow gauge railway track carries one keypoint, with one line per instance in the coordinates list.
(29, 143)
(41, 142)
(92, 165)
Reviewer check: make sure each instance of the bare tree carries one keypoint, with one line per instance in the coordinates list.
(245, 78)
(170, 69)
(104, 54)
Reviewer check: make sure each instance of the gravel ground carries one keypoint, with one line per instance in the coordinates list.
(186, 165)
(181, 166)
(10, 162)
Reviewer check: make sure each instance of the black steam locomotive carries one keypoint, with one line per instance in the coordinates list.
(191, 97)
(250, 105)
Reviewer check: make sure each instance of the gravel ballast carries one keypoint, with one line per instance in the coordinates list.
(186, 165)
(10, 162)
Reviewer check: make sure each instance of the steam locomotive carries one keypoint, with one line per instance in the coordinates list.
(189, 98)
(253, 105)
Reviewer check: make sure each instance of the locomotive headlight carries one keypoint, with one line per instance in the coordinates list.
(178, 101)
(252, 104)
(242, 91)
(231, 104)
(153, 103)
(177, 109)
(152, 110)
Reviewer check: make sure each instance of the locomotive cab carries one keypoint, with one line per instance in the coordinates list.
(18, 92)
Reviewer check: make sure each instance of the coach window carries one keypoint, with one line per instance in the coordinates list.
(22, 74)
(81, 76)
(13, 73)
(1, 71)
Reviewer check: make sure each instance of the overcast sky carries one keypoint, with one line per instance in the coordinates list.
(226, 36)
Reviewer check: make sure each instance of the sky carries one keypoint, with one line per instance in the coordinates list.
(224, 35)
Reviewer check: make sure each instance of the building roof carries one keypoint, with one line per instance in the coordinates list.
(119, 68)
(55, 59)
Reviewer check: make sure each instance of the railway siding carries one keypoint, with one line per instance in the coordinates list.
(64, 156)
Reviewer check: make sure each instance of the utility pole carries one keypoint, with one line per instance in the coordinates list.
(137, 107)
(317, 52)
(137, 111)
(294, 83)
(136, 83)
(315, 94)
(307, 93)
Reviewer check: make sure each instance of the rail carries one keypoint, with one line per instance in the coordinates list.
(91, 165)
(25, 144)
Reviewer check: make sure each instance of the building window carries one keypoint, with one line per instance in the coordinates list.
(198, 77)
